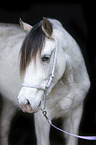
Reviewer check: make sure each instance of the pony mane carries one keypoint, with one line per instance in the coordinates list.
(33, 43)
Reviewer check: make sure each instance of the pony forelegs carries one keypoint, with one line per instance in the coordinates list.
(42, 128)
(71, 124)
(7, 113)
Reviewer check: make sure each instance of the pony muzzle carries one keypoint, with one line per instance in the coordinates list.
(26, 107)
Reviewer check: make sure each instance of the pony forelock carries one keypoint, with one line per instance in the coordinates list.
(33, 43)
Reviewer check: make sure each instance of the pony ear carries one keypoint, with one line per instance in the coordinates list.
(47, 27)
(25, 26)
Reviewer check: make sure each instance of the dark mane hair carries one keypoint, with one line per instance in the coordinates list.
(32, 44)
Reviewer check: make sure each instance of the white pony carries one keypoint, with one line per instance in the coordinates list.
(31, 63)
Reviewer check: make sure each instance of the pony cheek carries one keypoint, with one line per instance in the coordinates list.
(58, 75)
(54, 82)
(60, 70)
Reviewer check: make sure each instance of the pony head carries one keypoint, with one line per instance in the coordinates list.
(37, 58)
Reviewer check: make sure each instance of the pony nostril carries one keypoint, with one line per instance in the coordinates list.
(28, 105)
(27, 102)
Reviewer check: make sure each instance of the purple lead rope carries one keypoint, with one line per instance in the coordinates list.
(78, 136)
(82, 137)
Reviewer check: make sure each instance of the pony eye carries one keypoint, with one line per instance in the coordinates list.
(45, 58)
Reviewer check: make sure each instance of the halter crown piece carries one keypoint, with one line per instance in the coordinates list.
(45, 92)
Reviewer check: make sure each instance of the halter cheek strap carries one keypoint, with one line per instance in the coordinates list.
(45, 92)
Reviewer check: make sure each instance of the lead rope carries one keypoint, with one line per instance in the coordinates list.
(77, 136)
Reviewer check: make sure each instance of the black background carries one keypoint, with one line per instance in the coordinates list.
(78, 18)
